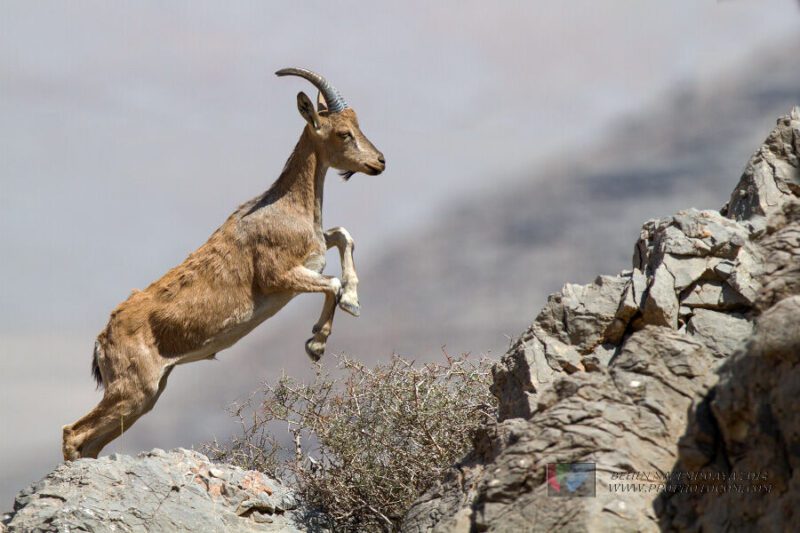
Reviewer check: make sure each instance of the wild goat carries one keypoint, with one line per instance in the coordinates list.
(268, 251)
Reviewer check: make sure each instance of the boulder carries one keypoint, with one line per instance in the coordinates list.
(179, 490)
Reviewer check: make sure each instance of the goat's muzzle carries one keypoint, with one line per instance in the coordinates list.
(374, 170)
(378, 167)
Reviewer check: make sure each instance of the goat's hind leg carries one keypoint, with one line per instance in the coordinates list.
(75, 435)
(114, 415)
(86, 437)
(121, 406)
(341, 239)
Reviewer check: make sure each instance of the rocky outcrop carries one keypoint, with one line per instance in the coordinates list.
(180, 490)
(743, 442)
(609, 371)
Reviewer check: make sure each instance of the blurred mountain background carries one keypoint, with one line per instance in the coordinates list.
(524, 148)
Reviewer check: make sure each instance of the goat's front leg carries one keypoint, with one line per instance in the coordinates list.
(302, 279)
(340, 238)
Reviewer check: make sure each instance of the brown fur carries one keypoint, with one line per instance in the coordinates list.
(270, 249)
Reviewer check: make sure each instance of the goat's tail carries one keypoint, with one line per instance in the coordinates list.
(98, 377)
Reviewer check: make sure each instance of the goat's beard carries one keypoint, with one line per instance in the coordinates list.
(346, 174)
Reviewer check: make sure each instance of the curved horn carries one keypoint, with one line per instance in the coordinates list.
(332, 97)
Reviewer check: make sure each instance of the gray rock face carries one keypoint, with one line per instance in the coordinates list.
(744, 439)
(771, 175)
(780, 275)
(608, 371)
(180, 490)
(722, 333)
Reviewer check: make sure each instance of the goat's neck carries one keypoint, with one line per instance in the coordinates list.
(303, 179)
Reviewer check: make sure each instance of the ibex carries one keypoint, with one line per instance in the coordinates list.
(268, 251)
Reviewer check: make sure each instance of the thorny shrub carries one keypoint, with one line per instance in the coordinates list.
(367, 443)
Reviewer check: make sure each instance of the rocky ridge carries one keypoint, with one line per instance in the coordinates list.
(748, 425)
(179, 490)
(614, 372)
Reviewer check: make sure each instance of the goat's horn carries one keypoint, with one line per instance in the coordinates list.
(332, 97)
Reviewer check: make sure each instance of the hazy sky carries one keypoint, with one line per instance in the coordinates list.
(129, 134)
(130, 130)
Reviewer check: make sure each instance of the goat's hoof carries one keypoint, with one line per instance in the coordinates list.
(68, 449)
(350, 305)
(315, 349)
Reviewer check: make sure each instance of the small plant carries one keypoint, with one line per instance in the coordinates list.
(364, 445)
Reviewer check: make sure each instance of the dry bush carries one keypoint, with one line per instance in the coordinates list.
(365, 445)
(255, 449)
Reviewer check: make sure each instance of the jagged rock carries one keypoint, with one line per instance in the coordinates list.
(599, 358)
(581, 315)
(649, 343)
(714, 294)
(773, 174)
(687, 270)
(755, 437)
(661, 305)
(688, 235)
(780, 275)
(573, 324)
(742, 443)
(525, 369)
(560, 355)
(633, 300)
(720, 236)
(724, 269)
(744, 273)
(180, 490)
(722, 333)
(638, 405)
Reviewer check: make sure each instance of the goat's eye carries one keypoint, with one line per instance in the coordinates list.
(345, 134)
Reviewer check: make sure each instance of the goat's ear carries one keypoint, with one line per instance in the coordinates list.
(322, 105)
(307, 110)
